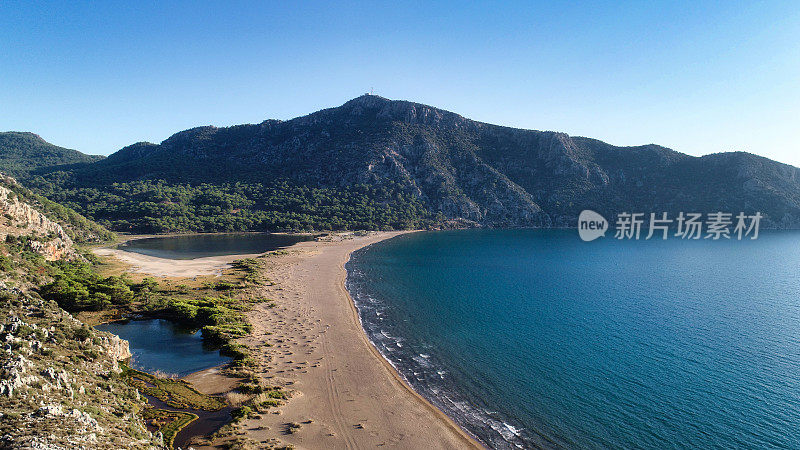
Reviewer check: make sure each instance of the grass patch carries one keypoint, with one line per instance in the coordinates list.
(169, 423)
(175, 393)
(249, 268)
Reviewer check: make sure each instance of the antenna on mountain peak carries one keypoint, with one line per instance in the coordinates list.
(371, 91)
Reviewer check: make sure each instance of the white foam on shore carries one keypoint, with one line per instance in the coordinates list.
(420, 372)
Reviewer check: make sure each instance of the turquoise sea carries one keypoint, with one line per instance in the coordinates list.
(533, 338)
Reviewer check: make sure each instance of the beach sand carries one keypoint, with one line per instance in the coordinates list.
(310, 342)
(212, 265)
(351, 395)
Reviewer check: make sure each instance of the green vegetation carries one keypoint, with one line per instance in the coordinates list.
(24, 152)
(97, 291)
(220, 318)
(374, 163)
(77, 287)
(202, 305)
(241, 413)
(78, 228)
(169, 423)
(249, 267)
(21, 264)
(175, 393)
(155, 206)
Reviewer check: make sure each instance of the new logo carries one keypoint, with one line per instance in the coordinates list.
(591, 225)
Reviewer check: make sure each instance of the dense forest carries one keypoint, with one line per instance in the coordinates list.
(151, 206)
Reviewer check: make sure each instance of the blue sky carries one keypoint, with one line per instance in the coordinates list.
(699, 77)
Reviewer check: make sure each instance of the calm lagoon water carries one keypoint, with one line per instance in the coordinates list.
(158, 344)
(205, 245)
(533, 338)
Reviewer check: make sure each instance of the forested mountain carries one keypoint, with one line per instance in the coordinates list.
(378, 163)
(21, 152)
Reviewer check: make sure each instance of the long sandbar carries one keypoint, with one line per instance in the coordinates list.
(351, 395)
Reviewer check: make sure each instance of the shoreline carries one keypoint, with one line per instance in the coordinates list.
(344, 392)
(424, 375)
(389, 366)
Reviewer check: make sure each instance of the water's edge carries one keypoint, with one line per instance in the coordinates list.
(423, 374)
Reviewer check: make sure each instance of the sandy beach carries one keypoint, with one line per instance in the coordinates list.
(345, 394)
(310, 341)
(212, 265)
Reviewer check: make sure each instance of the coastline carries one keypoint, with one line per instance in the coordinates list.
(310, 341)
(388, 365)
(345, 393)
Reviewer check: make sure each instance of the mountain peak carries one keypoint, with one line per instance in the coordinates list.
(368, 100)
(382, 108)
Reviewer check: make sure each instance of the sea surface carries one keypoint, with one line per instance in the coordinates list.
(535, 339)
(204, 245)
(159, 345)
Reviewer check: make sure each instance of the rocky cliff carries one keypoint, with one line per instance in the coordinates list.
(19, 218)
(58, 385)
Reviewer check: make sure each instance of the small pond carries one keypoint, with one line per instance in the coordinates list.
(160, 345)
(205, 245)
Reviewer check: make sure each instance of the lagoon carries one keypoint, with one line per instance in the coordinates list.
(205, 245)
(160, 346)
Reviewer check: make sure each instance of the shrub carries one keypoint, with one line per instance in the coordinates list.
(248, 388)
(241, 413)
(224, 286)
(81, 333)
(76, 287)
(182, 311)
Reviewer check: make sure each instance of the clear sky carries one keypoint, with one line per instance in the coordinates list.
(699, 77)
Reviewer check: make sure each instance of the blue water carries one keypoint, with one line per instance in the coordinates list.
(160, 345)
(533, 338)
(193, 246)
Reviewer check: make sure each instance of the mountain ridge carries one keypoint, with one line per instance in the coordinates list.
(460, 171)
(23, 151)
